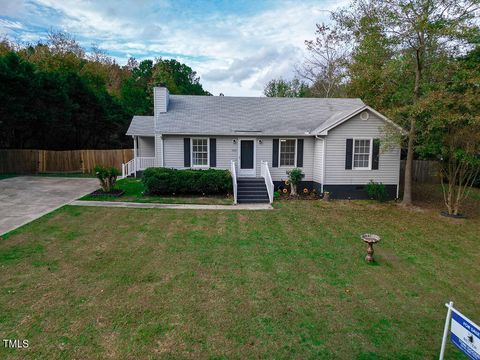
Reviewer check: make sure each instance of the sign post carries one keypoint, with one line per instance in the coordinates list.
(465, 334)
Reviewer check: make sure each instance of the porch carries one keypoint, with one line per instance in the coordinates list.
(137, 164)
(143, 156)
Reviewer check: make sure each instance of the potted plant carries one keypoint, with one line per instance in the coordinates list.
(326, 195)
(294, 178)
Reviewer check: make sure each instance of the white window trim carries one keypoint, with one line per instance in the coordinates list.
(369, 156)
(208, 153)
(294, 156)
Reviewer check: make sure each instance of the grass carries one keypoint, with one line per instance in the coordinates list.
(290, 283)
(134, 193)
(6, 176)
(50, 174)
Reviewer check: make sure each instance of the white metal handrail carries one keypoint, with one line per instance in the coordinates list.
(233, 171)
(128, 168)
(265, 172)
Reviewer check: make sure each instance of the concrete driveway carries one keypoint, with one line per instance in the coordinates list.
(26, 198)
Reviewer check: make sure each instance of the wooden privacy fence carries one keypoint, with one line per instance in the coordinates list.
(33, 161)
(424, 171)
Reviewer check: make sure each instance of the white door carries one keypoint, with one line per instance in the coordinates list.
(246, 157)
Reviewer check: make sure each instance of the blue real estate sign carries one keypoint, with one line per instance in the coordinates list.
(465, 335)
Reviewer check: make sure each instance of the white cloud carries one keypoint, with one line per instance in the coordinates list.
(235, 54)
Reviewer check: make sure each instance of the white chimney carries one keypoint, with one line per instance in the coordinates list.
(160, 100)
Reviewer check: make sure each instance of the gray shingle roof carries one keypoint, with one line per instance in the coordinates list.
(225, 115)
(141, 125)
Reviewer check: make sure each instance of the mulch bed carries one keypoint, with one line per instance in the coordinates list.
(458, 216)
(299, 197)
(113, 193)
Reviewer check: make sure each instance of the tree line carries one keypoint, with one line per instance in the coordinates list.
(54, 95)
(418, 62)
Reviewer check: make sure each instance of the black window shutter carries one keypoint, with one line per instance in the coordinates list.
(275, 153)
(299, 152)
(375, 154)
(348, 154)
(186, 152)
(213, 152)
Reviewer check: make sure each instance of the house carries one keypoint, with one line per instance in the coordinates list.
(336, 142)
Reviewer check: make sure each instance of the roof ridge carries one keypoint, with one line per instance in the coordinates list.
(265, 97)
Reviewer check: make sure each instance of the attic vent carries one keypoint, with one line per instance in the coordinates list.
(248, 131)
(364, 115)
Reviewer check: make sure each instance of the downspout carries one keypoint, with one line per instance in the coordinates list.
(163, 150)
(155, 162)
(323, 161)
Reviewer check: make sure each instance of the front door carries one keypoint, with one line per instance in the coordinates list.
(247, 158)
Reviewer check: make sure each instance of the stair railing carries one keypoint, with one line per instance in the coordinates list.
(265, 172)
(233, 172)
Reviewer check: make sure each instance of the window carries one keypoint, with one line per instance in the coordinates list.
(199, 152)
(362, 153)
(287, 152)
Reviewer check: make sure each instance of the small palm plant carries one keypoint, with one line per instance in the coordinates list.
(294, 177)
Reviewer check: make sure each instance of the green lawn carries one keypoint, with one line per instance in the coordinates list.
(123, 283)
(49, 174)
(134, 192)
(6, 176)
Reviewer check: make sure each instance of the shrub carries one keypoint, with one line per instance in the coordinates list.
(161, 181)
(376, 191)
(107, 177)
(294, 177)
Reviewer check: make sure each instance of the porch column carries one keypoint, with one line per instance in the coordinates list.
(135, 155)
(134, 147)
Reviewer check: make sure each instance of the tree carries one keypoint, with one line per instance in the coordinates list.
(135, 92)
(177, 77)
(418, 30)
(374, 73)
(56, 96)
(284, 88)
(325, 65)
(450, 129)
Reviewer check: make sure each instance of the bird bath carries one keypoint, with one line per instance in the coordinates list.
(370, 239)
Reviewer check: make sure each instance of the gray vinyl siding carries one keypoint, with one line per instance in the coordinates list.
(173, 147)
(265, 153)
(173, 152)
(318, 161)
(335, 173)
(146, 146)
(227, 151)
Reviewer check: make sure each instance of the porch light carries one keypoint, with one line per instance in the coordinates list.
(260, 141)
(234, 141)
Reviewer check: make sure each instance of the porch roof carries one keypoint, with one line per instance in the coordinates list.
(141, 126)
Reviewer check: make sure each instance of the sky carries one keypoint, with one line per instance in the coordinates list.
(235, 47)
